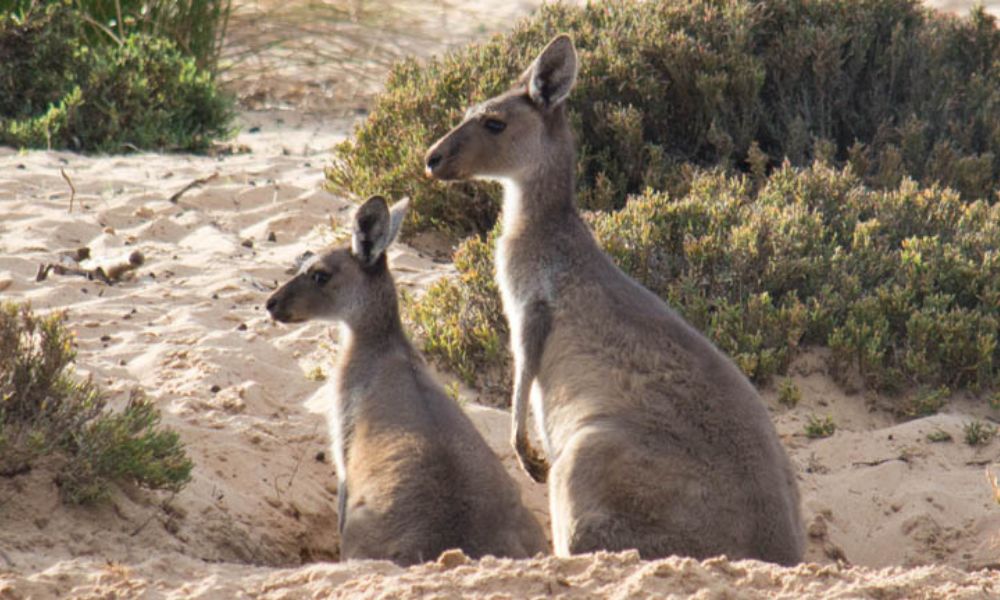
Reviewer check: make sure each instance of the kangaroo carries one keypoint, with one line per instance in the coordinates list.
(656, 440)
(415, 478)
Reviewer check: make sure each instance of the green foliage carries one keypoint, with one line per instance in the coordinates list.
(925, 403)
(461, 321)
(887, 86)
(978, 433)
(45, 411)
(817, 427)
(197, 27)
(903, 285)
(789, 394)
(139, 91)
(939, 435)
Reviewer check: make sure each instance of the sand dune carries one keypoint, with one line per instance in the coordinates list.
(246, 395)
(890, 514)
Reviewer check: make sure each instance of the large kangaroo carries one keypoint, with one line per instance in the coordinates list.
(657, 441)
(415, 477)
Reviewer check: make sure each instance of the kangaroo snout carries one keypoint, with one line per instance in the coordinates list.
(272, 307)
(440, 161)
(277, 307)
(434, 159)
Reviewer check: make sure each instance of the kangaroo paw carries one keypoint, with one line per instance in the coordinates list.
(533, 462)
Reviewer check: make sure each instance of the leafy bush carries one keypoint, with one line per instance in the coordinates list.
(58, 92)
(197, 27)
(903, 285)
(789, 394)
(978, 433)
(461, 322)
(886, 85)
(45, 411)
(938, 436)
(817, 427)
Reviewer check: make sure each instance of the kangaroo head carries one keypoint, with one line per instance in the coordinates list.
(509, 136)
(343, 282)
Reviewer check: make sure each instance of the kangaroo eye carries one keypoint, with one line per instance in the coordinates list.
(320, 277)
(494, 125)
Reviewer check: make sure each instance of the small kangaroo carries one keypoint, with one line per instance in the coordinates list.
(415, 478)
(656, 440)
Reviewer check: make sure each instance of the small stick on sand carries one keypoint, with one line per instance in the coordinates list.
(994, 483)
(192, 185)
(72, 188)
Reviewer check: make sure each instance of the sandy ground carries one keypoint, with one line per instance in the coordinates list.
(890, 514)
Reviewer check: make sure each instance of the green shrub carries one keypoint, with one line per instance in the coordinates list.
(924, 403)
(197, 27)
(58, 92)
(45, 411)
(461, 322)
(820, 427)
(789, 394)
(885, 85)
(978, 433)
(939, 435)
(903, 285)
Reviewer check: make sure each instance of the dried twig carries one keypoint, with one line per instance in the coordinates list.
(192, 185)
(881, 461)
(994, 483)
(295, 469)
(72, 188)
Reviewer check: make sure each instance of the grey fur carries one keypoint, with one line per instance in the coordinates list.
(656, 439)
(415, 476)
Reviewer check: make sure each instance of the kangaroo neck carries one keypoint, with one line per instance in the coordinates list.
(373, 332)
(542, 196)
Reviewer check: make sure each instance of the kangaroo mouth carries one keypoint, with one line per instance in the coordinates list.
(283, 317)
(444, 173)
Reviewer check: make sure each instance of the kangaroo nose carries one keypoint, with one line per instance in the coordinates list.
(433, 161)
(271, 303)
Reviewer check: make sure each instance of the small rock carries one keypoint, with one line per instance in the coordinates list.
(271, 237)
(247, 243)
(241, 327)
(171, 526)
(105, 338)
(109, 230)
(817, 529)
(215, 389)
(450, 559)
(321, 456)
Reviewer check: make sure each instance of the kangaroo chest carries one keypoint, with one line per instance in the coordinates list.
(524, 276)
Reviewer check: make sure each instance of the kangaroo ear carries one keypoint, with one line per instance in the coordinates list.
(553, 74)
(370, 236)
(397, 214)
